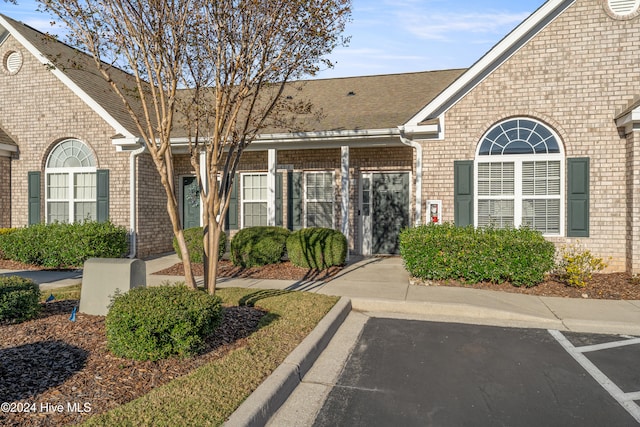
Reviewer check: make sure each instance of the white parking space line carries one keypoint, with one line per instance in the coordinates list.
(607, 345)
(626, 400)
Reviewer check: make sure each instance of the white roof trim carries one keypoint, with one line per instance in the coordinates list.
(67, 81)
(502, 51)
(7, 149)
(321, 139)
(630, 121)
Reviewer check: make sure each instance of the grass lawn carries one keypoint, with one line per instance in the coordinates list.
(210, 394)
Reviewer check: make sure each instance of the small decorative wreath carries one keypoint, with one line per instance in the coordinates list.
(193, 196)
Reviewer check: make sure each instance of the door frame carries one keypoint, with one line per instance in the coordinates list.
(365, 225)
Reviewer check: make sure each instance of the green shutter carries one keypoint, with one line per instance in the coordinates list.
(102, 192)
(463, 192)
(279, 199)
(294, 200)
(33, 179)
(232, 213)
(578, 197)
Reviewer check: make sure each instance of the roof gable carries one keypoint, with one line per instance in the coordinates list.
(492, 60)
(74, 69)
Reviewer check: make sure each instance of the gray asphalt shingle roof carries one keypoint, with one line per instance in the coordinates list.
(352, 103)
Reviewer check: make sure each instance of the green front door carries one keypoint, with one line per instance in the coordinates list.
(390, 193)
(190, 202)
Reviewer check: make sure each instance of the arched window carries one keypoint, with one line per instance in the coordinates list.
(519, 177)
(71, 183)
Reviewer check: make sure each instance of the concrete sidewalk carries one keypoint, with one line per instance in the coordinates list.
(381, 284)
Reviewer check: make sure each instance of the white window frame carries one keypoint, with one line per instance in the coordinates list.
(71, 173)
(242, 199)
(309, 200)
(518, 197)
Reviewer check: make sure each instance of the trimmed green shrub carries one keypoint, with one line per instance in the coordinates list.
(19, 299)
(317, 247)
(520, 256)
(193, 236)
(158, 322)
(576, 265)
(64, 245)
(257, 246)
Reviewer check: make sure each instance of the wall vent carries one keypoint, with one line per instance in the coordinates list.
(623, 7)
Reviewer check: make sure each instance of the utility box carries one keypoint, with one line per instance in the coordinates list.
(103, 277)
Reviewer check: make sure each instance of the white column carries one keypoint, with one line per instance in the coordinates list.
(345, 187)
(271, 187)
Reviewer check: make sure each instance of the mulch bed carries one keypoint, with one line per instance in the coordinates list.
(283, 271)
(52, 361)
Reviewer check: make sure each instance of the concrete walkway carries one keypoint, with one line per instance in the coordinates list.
(381, 285)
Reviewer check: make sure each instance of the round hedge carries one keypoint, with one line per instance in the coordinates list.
(19, 299)
(256, 246)
(194, 239)
(317, 247)
(158, 322)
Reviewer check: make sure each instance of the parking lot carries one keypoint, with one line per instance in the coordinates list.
(419, 373)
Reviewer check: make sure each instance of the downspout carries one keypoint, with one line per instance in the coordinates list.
(418, 147)
(133, 200)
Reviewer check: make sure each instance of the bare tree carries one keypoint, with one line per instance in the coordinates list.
(218, 68)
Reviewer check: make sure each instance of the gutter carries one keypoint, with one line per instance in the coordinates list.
(133, 200)
(418, 147)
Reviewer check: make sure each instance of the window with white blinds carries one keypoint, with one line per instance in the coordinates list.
(519, 177)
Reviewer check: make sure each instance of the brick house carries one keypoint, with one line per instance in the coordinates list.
(542, 131)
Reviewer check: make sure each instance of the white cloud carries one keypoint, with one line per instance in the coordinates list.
(450, 26)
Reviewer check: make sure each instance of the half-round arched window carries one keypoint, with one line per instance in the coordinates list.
(519, 136)
(519, 177)
(71, 183)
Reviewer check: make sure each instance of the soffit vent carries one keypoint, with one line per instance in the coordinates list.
(12, 62)
(623, 7)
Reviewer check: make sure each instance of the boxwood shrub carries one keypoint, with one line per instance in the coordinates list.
(159, 322)
(193, 236)
(64, 245)
(256, 246)
(520, 256)
(19, 299)
(317, 247)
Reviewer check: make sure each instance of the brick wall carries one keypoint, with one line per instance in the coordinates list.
(155, 233)
(633, 203)
(574, 76)
(40, 111)
(5, 192)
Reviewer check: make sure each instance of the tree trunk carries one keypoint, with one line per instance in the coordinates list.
(189, 280)
(211, 255)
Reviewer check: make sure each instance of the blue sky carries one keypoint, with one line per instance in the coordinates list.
(395, 36)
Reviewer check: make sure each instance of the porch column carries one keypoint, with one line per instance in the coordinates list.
(345, 187)
(271, 186)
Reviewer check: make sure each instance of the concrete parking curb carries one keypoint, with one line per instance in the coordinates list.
(456, 311)
(274, 391)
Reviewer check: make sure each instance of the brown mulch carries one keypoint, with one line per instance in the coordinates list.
(283, 271)
(52, 361)
(614, 286)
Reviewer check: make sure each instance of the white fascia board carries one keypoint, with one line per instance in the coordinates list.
(630, 121)
(319, 140)
(500, 53)
(7, 150)
(67, 81)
